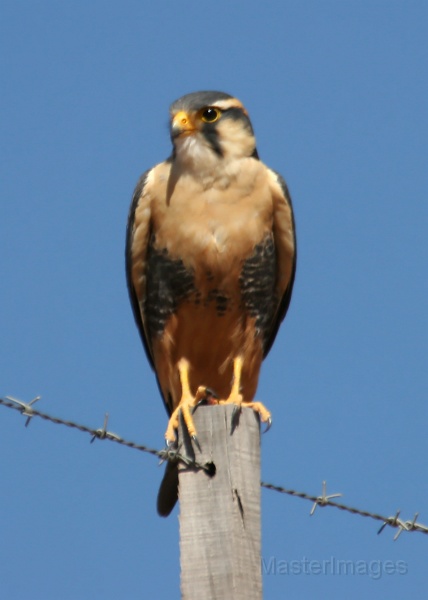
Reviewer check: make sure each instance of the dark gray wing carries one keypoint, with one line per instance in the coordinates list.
(135, 304)
(284, 302)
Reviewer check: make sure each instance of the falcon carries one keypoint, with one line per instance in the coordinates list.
(210, 263)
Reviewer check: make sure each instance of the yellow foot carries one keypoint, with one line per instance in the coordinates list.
(258, 407)
(187, 404)
(236, 398)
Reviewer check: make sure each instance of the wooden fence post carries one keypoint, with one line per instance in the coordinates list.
(220, 534)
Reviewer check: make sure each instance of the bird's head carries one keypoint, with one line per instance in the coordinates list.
(209, 129)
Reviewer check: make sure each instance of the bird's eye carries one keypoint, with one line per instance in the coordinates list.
(210, 115)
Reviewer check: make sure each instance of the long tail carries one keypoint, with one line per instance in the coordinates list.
(168, 491)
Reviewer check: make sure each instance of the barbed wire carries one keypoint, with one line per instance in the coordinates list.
(325, 500)
(170, 454)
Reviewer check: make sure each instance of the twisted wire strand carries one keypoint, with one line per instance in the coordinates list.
(165, 454)
(173, 455)
(325, 501)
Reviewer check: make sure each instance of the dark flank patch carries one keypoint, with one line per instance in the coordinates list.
(257, 282)
(169, 282)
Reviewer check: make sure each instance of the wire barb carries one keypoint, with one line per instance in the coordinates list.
(102, 434)
(403, 525)
(323, 500)
(391, 521)
(172, 454)
(25, 407)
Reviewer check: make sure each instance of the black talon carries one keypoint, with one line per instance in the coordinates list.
(209, 393)
(171, 445)
(268, 425)
(201, 401)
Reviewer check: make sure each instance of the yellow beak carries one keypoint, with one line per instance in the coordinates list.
(182, 124)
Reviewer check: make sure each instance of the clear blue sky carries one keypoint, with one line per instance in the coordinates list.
(337, 92)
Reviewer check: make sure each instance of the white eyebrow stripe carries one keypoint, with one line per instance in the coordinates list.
(232, 103)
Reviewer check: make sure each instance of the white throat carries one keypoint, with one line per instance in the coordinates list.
(195, 156)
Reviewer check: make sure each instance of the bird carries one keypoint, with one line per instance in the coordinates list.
(210, 263)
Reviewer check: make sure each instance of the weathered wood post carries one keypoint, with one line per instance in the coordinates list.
(220, 534)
